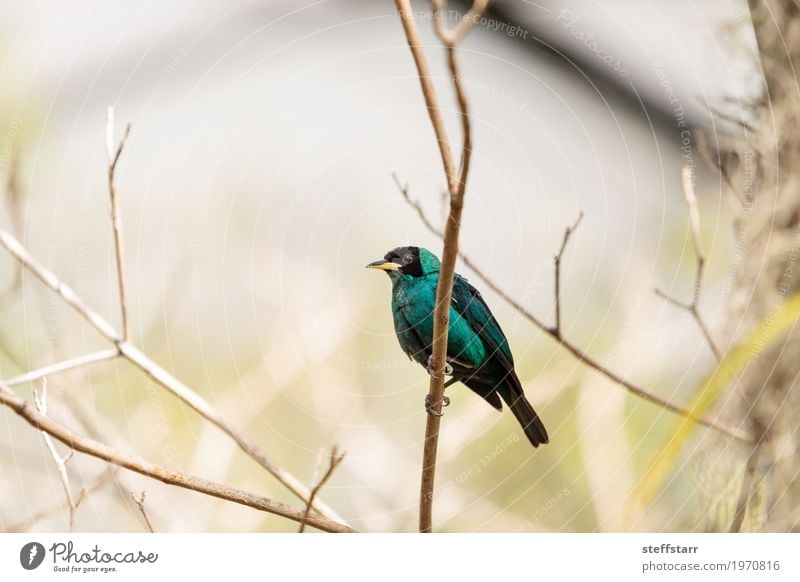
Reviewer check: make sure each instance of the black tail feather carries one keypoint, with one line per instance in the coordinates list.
(511, 392)
(529, 420)
(513, 395)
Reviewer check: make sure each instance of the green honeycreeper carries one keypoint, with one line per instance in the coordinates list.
(477, 350)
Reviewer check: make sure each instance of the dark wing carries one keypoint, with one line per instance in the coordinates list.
(496, 379)
(469, 303)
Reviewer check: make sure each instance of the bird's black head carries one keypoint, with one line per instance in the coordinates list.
(410, 261)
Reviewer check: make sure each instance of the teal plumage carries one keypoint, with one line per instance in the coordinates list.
(477, 349)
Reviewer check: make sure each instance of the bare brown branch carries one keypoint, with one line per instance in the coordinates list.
(456, 185)
(450, 42)
(428, 90)
(333, 462)
(96, 449)
(116, 221)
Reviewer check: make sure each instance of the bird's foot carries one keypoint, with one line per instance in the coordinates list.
(448, 369)
(429, 405)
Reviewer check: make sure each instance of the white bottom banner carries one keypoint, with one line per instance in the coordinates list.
(618, 557)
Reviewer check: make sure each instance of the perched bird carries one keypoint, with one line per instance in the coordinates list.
(477, 350)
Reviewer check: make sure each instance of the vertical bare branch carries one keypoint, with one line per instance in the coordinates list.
(450, 40)
(428, 90)
(116, 221)
(139, 501)
(40, 401)
(456, 183)
(568, 232)
(693, 307)
(334, 460)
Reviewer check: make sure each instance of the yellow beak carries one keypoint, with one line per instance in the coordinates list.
(384, 265)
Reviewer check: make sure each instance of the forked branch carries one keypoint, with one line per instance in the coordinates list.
(568, 232)
(456, 185)
(116, 222)
(693, 307)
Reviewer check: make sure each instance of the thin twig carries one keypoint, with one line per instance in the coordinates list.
(31, 520)
(456, 183)
(63, 366)
(334, 461)
(428, 90)
(151, 368)
(557, 261)
(573, 348)
(95, 424)
(96, 449)
(450, 41)
(139, 501)
(693, 307)
(40, 400)
(116, 221)
(72, 299)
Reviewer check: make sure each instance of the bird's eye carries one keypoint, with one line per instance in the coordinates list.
(408, 259)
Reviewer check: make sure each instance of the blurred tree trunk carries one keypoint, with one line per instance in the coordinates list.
(763, 168)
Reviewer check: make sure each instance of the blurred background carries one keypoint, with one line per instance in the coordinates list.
(257, 183)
